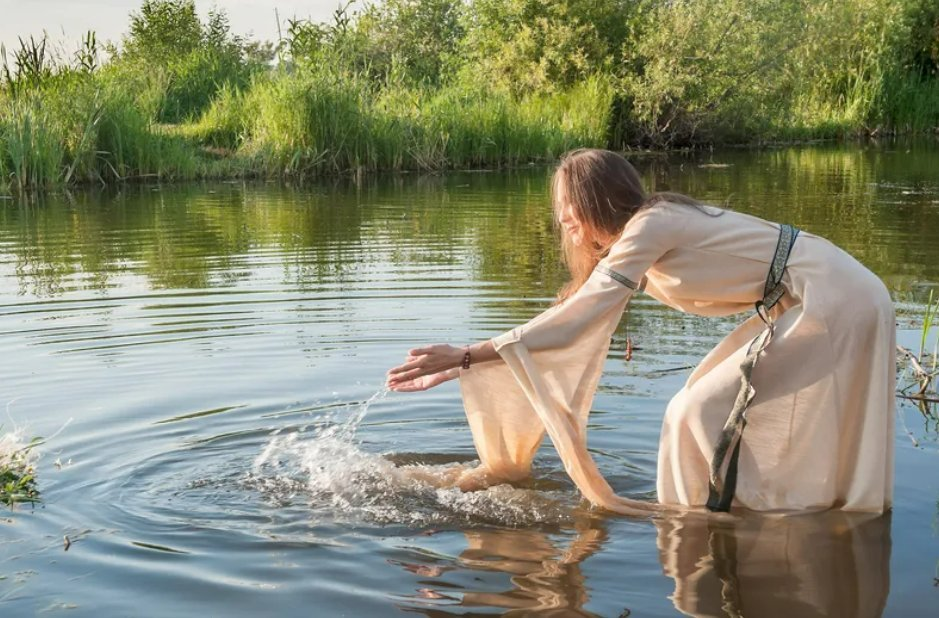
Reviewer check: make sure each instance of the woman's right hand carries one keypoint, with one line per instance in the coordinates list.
(424, 382)
(426, 362)
(434, 364)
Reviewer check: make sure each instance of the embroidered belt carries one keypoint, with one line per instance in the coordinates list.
(722, 480)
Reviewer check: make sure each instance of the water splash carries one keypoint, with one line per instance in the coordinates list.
(325, 465)
(15, 452)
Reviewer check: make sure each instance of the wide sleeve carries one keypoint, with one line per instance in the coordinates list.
(549, 370)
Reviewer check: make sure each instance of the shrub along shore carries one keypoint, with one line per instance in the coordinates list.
(441, 84)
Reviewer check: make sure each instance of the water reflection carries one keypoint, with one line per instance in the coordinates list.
(545, 578)
(880, 203)
(826, 564)
(238, 309)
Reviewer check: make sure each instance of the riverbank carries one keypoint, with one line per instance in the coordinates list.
(443, 84)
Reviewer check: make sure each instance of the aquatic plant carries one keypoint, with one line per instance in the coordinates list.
(77, 129)
(930, 313)
(923, 368)
(32, 154)
(17, 472)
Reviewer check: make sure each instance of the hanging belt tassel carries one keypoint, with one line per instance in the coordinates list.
(722, 481)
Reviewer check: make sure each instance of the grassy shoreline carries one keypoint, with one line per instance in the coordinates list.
(446, 84)
(211, 165)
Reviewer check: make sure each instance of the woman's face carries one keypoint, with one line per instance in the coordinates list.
(567, 218)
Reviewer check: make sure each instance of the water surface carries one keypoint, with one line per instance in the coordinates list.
(209, 360)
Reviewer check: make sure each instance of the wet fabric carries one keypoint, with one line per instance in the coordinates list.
(820, 424)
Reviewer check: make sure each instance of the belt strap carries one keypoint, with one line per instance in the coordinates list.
(721, 485)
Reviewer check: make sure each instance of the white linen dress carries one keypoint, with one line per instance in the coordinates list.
(819, 430)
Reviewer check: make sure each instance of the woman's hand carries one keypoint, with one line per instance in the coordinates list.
(425, 368)
(424, 382)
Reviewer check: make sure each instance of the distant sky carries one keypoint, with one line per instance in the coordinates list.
(66, 21)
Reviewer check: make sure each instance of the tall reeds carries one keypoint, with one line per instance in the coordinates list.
(930, 317)
(318, 122)
(32, 153)
(184, 99)
(920, 380)
(72, 132)
(76, 126)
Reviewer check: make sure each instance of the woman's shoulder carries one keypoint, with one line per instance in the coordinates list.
(672, 216)
(661, 223)
(677, 224)
(681, 209)
(703, 212)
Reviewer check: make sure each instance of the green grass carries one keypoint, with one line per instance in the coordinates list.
(32, 153)
(207, 106)
(78, 132)
(910, 104)
(80, 129)
(315, 123)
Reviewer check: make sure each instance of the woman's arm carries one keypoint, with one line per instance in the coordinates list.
(649, 236)
(429, 366)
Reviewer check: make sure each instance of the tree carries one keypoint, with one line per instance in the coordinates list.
(163, 30)
(542, 45)
(421, 36)
(188, 60)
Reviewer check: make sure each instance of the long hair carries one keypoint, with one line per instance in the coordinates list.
(605, 192)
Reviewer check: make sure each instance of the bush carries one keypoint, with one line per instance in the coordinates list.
(189, 61)
(528, 46)
(715, 70)
(436, 84)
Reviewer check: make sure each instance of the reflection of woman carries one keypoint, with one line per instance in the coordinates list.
(823, 564)
(810, 375)
(546, 581)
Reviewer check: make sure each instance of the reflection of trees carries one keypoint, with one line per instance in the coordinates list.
(179, 237)
(877, 203)
(826, 564)
(546, 579)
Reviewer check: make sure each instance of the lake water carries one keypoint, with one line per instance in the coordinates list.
(208, 361)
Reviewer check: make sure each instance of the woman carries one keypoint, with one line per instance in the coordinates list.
(810, 375)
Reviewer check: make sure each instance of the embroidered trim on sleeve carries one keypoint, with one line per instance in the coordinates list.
(618, 277)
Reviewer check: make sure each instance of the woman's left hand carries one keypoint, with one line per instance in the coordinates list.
(427, 361)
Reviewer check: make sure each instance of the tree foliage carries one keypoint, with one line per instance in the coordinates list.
(542, 45)
(189, 60)
(920, 52)
(417, 37)
(431, 84)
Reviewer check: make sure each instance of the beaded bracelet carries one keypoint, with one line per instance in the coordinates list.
(466, 357)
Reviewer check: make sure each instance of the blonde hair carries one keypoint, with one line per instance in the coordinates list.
(605, 192)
